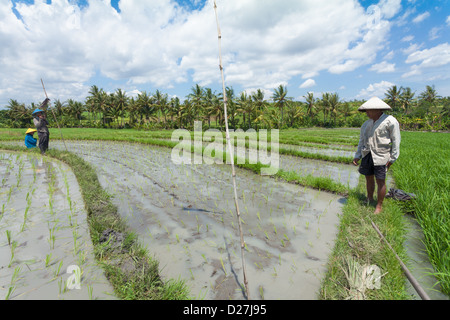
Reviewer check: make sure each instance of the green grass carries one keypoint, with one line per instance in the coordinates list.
(359, 240)
(423, 168)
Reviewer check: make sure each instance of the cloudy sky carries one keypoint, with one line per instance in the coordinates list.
(355, 48)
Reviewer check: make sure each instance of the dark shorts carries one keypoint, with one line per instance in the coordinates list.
(367, 168)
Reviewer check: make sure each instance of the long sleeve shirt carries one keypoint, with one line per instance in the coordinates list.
(381, 138)
(41, 125)
(30, 142)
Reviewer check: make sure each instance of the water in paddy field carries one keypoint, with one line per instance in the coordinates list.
(42, 210)
(185, 215)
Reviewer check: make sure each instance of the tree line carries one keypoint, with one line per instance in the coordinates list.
(100, 109)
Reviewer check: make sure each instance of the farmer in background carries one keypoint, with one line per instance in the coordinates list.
(41, 123)
(379, 147)
(30, 141)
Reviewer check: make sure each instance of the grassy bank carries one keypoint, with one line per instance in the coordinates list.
(128, 266)
(424, 169)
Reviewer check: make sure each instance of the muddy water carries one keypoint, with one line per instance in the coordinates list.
(419, 264)
(54, 227)
(185, 215)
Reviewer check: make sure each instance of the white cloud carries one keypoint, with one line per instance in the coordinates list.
(383, 67)
(390, 55)
(308, 84)
(160, 44)
(412, 48)
(421, 17)
(428, 60)
(408, 38)
(375, 90)
(434, 33)
(448, 21)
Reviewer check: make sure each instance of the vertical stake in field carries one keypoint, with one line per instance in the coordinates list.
(54, 116)
(225, 102)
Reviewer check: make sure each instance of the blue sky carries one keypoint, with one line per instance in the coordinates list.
(355, 48)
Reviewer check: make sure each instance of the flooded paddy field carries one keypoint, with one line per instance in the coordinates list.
(44, 234)
(185, 215)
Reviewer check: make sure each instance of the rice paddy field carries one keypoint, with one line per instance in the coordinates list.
(302, 225)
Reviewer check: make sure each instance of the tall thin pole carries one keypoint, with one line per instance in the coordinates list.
(225, 103)
(54, 116)
(408, 274)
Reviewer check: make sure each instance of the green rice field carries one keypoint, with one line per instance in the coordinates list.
(310, 159)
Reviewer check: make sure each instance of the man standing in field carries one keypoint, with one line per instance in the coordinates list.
(41, 123)
(379, 147)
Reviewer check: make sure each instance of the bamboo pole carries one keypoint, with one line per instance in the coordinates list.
(408, 274)
(225, 103)
(54, 116)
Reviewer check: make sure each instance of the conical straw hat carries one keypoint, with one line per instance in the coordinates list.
(374, 103)
(30, 131)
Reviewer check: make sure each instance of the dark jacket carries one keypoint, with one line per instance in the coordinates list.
(41, 125)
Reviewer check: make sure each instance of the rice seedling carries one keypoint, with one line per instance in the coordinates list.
(57, 270)
(8, 236)
(90, 291)
(13, 281)
(223, 266)
(48, 259)
(13, 249)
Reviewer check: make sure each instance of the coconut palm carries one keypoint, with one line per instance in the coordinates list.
(294, 112)
(333, 103)
(260, 105)
(311, 104)
(145, 105)
(75, 109)
(19, 114)
(393, 95)
(160, 101)
(197, 100)
(347, 110)
(281, 100)
(325, 105)
(406, 98)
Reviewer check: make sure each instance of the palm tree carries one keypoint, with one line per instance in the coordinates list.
(260, 105)
(119, 104)
(246, 106)
(406, 98)
(75, 109)
(231, 106)
(59, 108)
(295, 111)
(19, 114)
(325, 105)
(280, 99)
(196, 99)
(393, 96)
(347, 110)
(164, 106)
(429, 97)
(310, 101)
(145, 105)
(333, 103)
(92, 101)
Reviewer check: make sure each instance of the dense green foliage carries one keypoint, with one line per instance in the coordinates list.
(427, 111)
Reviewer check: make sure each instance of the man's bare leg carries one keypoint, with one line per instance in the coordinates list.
(381, 185)
(370, 186)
